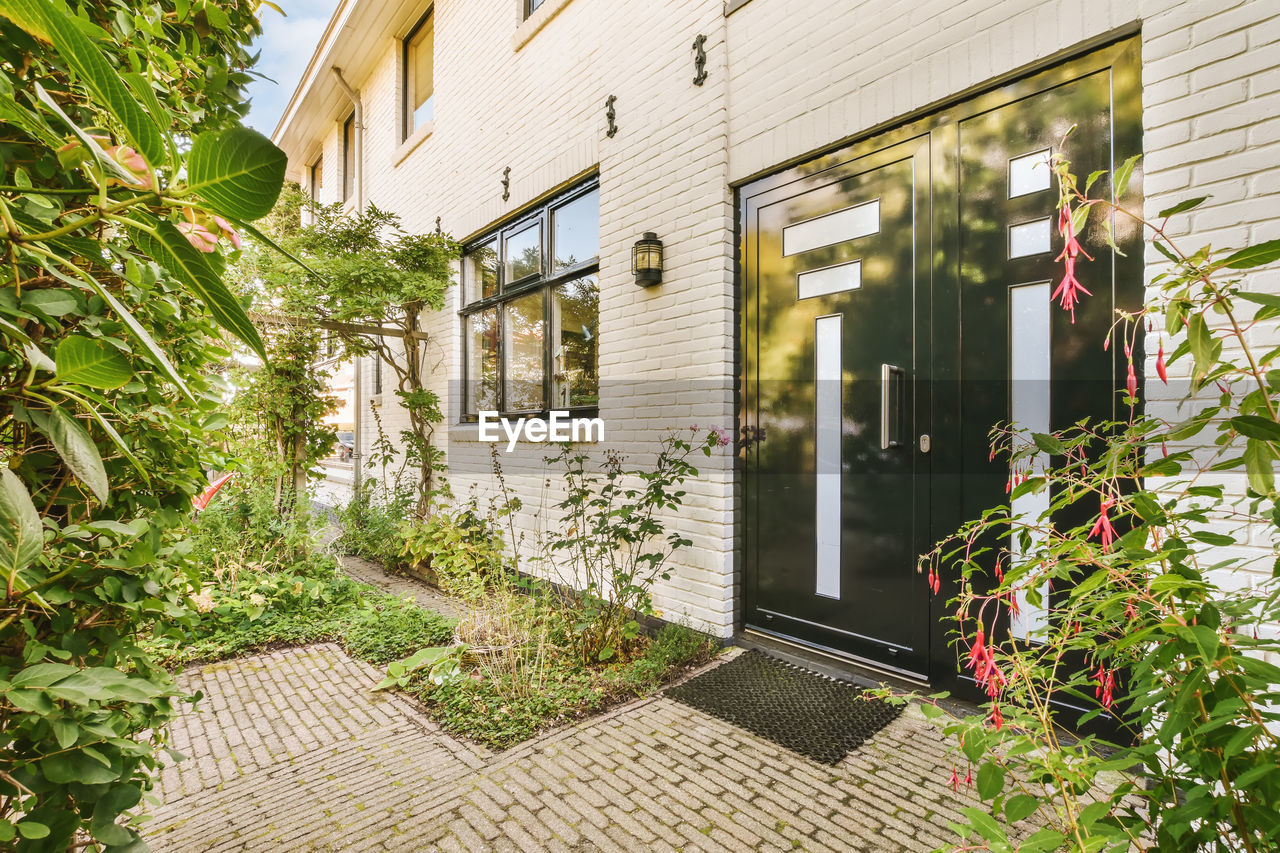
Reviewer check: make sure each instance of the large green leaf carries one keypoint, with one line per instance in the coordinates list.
(64, 767)
(239, 172)
(1254, 256)
(51, 20)
(185, 262)
(21, 534)
(77, 449)
(103, 684)
(92, 362)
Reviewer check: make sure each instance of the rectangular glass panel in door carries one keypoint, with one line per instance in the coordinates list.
(832, 488)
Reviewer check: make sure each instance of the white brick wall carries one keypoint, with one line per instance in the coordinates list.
(787, 78)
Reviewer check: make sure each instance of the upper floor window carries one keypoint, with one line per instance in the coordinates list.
(531, 6)
(349, 157)
(532, 296)
(418, 83)
(316, 178)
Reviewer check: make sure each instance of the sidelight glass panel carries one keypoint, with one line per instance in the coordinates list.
(523, 324)
(1029, 173)
(830, 280)
(1029, 375)
(575, 346)
(849, 224)
(482, 361)
(524, 253)
(576, 232)
(828, 375)
(1030, 238)
(480, 272)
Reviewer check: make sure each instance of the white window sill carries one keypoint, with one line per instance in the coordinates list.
(415, 139)
(529, 27)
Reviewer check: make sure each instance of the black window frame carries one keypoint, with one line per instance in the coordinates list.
(406, 112)
(349, 158)
(545, 281)
(531, 6)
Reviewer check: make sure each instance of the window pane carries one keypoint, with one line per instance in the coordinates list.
(533, 7)
(523, 353)
(317, 177)
(577, 232)
(575, 314)
(419, 80)
(524, 253)
(348, 157)
(482, 361)
(480, 272)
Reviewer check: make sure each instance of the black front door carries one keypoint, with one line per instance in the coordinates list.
(896, 305)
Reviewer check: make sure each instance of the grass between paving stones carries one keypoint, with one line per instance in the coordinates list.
(371, 625)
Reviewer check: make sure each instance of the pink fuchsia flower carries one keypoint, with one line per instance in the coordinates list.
(1070, 288)
(199, 236)
(1102, 527)
(232, 234)
(1161, 369)
(1131, 382)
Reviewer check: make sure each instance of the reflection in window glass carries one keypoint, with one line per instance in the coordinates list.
(523, 353)
(480, 272)
(419, 87)
(524, 254)
(576, 228)
(349, 157)
(575, 374)
(482, 361)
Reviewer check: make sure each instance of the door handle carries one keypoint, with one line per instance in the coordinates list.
(889, 406)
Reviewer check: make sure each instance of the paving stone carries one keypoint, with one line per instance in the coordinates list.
(290, 750)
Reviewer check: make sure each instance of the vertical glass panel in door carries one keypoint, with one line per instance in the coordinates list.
(523, 324)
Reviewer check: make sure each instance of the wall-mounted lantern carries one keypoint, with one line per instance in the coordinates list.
(646, 260)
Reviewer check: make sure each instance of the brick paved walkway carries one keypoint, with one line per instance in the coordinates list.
(291, 751)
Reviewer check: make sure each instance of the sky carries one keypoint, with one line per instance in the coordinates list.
(286, 44)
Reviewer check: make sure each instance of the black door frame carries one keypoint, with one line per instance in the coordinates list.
(940, 414)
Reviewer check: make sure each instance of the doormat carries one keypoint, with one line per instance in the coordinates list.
(818, 717)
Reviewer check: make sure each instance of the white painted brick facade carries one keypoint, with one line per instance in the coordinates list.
(786, 78)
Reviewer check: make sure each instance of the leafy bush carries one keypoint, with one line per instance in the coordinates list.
(456, 547)
(1143, 630)
(371, 524)
(122, 200)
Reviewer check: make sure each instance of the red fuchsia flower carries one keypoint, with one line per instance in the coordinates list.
(1161, 371)
(968, 776)
(1130, 612)
(1106, 679)
(225, 227)
(1102, 527)
(1131, 382)
(935, 581)
(997, 719)
(199, 236)
(955, 780)
(1069, 289)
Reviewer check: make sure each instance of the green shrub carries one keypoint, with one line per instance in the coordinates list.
(456, 547)
(673, 647)
(496, 714)
(371, 522)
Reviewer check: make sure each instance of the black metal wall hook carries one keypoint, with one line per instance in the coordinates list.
(506, 183)
(700, 60)
(610, 113)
